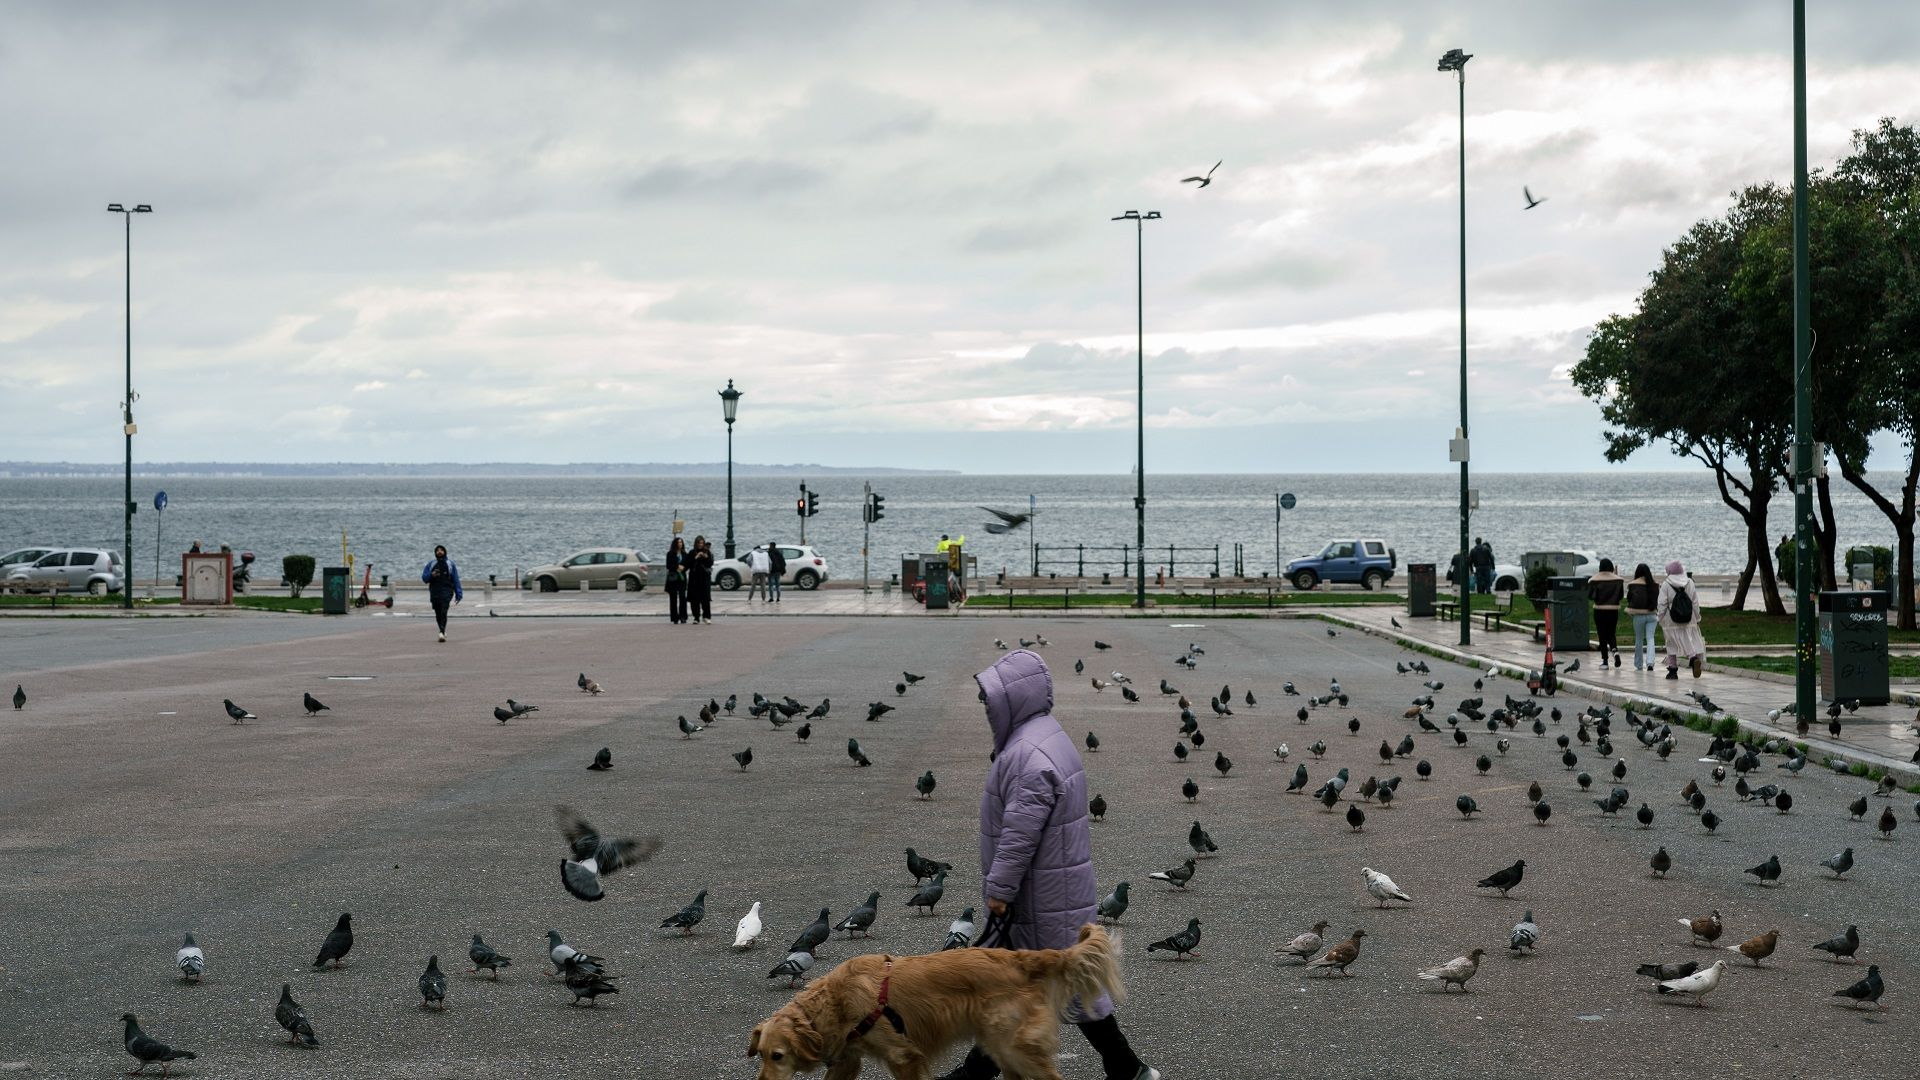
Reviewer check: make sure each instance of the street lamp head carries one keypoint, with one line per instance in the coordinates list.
(730, 402)
(1131, 215)
(116, 208)
(1455, 60)
(143, 208)
(1152, 215)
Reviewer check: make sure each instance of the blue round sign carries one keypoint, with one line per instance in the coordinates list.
(1286, 501)
(159, 500)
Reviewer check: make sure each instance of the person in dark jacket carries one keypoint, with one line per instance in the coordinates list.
(776, 566)
(1036, 853)
(677, 581)
(699, 564)
(1482, 566)
(442, 578)
(1643, 606)
(1606, 590)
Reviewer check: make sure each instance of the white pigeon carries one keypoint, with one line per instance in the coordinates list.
(959, 931)
(748, 931)
(999, 644)
(1121, 678)
(1525, 934)
(1281, 751)
(1097, 684)
(1699, 984)
(1382, 888)
(1041, 640)
(190, 960)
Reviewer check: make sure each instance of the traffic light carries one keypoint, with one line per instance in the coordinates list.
(812, 503)
(876, 507)
(800, 507)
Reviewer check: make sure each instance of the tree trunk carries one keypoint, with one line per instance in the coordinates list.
(1902, 518)
(1758, 551)
(1905, 580)
(1828, 531)
(1746, 580)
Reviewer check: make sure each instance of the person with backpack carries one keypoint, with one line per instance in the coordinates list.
(1679, 611)
(1643, 606)
(442, 579)
(776, 569)
(1606, 589)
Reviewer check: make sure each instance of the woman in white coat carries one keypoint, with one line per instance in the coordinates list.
(1679, 614)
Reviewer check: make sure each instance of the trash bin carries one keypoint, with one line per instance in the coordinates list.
(1422, 583)
(1568, 612)
(333, 590)
(909, 572)
(1853, 647)
(934, 570)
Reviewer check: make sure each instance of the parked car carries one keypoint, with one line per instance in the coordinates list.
(91, 570)
(1366, 563)
(1512, 577)
(601, 568)
(19, 557)
(806, 569)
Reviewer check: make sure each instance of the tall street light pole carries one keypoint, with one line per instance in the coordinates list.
(1803, 464)
(1140, 389)
(730, 407)
(1456, 62)
(126, 404)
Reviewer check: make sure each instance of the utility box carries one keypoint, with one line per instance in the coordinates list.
(909, 572)
(206, 578)
(1568, 612)
(1853, 647)
(333, 590)
(935, 573)
(1422, 584)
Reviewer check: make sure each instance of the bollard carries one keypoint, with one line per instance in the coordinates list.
(585, 585)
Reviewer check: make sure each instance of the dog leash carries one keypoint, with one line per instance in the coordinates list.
(996, 935)
(880, 1009)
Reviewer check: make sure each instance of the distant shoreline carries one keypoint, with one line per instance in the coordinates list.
(347, 470)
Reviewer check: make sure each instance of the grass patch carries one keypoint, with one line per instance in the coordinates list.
(1724, 626)
(305, 604)
(1063, 598)
(1898, 666)
(60, 600)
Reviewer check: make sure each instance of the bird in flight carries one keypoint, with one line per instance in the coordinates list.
(1203, 181)
(1531, 201)
(1007, 523)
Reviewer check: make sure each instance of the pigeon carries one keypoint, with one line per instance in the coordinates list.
(929, 894)
(603, 760)
(1114, 904)
(1177, 877)
(293, 1016)
(1505, 879)
(1455, 972)
(900, 689)
(1093, 743)
(1483, 763)
(861, 918)
(1705, 930)
(1249, 700)
(811, 938)
(1121, 677)
(1079, 667)
(585, 984)
(1329, 796)
(433, 985)
(1382, 888)
(688, 729)
(924, 785)
(1841, 945)
(1200, 841)
(483, 956)
(338, 944)
(1525, 933)
(1182, 944)
(999, 644)
(1661, 863)
(1225, 764)
(20, 702)
(1423, 768)
(1866, 990)
(1127, 693)
(1190, 789)
(803, 732)
(594, 855)
(1888, 822)
(564, 955)
(1699, 984)
(1331, 632)
(1097, 807)
(313, 705)
(1768, 871)
(1857, 809)
(1527, 193)
(875, 710)
(1644, 816)
(241, 715)
(794, 966)
(857, 755)
(503, 715)
(1101, 645)
(1339, 956)
(1203, 181)
(147, 1050)
(959, 932)
(733, 702)
(1665, 972)
(1757, 948)
(743, 758)
(820, 711)
(1839, 863)
(688, 917)
(1097, 684)
(1305, 945)
(1711, 820)
(1356, 817)
(190, 960)
(1299, 777)
(1466, 806)
(1395, 622)
(586, 685)
(1542, 810)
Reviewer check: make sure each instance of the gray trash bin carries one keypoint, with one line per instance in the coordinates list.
(1568, 611)
(934, 570)
(333, 590)
(1853, 647)
(1422, 585)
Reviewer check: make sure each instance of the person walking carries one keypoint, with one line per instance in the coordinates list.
(1679, 611)
(699, 566)
(1606, 590)
(1643, 606)
(757, 563)
(442, 578)
(1036, 852)
(1482, 566)
(677, 581)
(776, 567)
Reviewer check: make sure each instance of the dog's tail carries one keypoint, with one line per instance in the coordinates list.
(1092, 966)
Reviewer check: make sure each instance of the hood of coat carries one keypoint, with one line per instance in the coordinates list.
(1018, 687)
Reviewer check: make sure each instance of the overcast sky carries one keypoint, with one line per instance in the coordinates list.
(552, 231)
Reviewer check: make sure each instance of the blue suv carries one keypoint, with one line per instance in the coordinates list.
(1366, 563)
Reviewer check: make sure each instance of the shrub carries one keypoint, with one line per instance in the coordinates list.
(1727, 728)
(1537, 580)
(298, 570)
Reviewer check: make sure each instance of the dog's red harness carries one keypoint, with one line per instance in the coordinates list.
(880, 1009)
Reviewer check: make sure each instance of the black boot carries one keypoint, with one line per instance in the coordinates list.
(977, 1066)
(1115, 1055)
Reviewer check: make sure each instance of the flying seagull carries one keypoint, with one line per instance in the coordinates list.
(1531, 201)
(1203, 181)
(1007, 523)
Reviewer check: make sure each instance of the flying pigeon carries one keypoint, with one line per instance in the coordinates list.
(293, 1016)
(1182, 944)
(241, 715)
(810, 939)
(587, 685)
(190, 960)
(483, 956)
(147, 1050)
(861, 918)
(1340, 956)
(433, 985)
(1177, 877)
(959, 932)
(794, 966)
(1699, 984)
(1455, 972)
(1305, 945)
(1528, 194)
(1203, 181)
(1505, 879)
(1114, 904)
(603, 760)
(687, 917)
(1382, 888)
(338, 944)
(1841, 945)
(748, 932)
(594, 855)
(1525, 934)
(313, 704)
(929, 894)
(1866, 990)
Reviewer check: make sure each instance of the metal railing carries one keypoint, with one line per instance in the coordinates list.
(1122, 558)
(1235, 598)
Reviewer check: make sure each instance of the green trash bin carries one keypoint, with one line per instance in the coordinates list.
(1853, 647)
(333, 590)
(1568, 611)
(934, 570)
(1422, 583)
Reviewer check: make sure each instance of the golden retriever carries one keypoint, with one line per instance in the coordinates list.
(1008, 1001)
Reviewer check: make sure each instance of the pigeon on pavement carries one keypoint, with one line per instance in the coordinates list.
(1097, 807)
(1382, 888)
(1525, 933)
(1661, 863)
(811, 938)
(586, 983)
(688, 729)
(1705, 930)
(687, 917)
(433, 985)
(1305, 945)
(1190, 789)
(338, 944)
(1455, 972)
(1839, 863)
(929, 894)
(922, 868)
(238, 714)
(1758, 947)
(20, 698)
(748, 932)
(1222, 762)
(563, 955)
(603, 760)
(1341, 955)
(594, 855)
(483, 956)
(1699, 984)
(1182, 944)
(293, 1016)
(1867, 990)
(1201, 842)
(1178, 876)
(313, 704)
(795, 965)
(925, 784)
(1505, 879)
(857, 755)
(1768, 871)
(190, 960)
(1466, 806)
(861, 918)
(503, 715)
(1842, 945)
(147, 1050)
(1114, 904)
(1664, 972)
(586, 685)
(519, 709)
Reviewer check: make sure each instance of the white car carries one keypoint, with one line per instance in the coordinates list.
(21, 557)
(601, 568)
(805, 569)
(1512, 577)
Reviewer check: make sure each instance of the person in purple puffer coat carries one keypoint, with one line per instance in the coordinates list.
(1036, 854)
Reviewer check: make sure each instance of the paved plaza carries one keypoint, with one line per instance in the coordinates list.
(132, 811)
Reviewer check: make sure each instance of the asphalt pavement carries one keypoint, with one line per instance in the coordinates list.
(132, 811)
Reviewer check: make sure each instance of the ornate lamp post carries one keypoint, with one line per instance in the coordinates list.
(730, 407)
(126, 404)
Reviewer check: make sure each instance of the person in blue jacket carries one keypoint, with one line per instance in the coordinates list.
(442, 578)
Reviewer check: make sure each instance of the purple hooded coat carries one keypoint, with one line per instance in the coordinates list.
(1035, 851)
